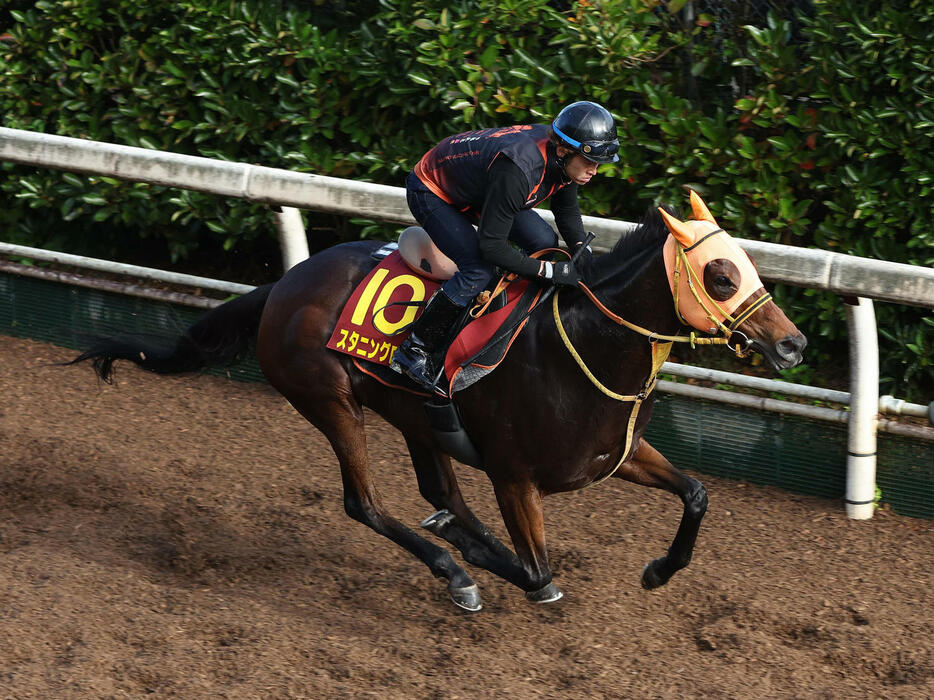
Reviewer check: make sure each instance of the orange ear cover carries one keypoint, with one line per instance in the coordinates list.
(681, 231)
(701, 212)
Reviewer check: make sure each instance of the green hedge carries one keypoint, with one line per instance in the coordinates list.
(809, 124)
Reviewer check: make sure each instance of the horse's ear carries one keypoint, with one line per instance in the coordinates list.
(681, 231)
(701, 212)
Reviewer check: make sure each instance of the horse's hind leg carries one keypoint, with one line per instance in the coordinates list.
(342, 424)
(649, 467)
(454, 521)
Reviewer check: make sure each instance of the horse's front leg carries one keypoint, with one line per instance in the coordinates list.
(521, 506)
(649, 467)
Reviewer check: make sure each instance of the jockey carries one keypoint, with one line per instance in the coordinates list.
(492, 178)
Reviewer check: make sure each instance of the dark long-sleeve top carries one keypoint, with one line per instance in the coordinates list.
(506, 194)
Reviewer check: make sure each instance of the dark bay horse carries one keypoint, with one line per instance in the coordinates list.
(567, 407)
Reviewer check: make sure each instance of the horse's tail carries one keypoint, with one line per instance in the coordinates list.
(218, 338)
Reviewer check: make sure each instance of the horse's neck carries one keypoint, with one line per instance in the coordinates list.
(615, 352)
(643, 299)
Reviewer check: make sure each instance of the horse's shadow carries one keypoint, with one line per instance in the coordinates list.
(81, 499)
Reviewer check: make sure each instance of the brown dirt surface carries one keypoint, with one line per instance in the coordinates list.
(185, 537)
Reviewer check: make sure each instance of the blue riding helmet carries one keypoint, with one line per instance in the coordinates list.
(588, 129)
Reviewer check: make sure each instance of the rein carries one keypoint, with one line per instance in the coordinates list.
(660, 352)
(693, 281)
(646, 390)
(729, 331)
(692, 338)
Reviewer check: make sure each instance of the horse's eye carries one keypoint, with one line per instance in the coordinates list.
(721, 279)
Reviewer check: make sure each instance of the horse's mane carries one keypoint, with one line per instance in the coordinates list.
(632, 251)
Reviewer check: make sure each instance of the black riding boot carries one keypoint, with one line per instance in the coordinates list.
(418, 354)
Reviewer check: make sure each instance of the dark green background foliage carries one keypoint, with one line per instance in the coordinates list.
(802, 123)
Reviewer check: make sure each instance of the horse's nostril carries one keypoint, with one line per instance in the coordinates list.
(791, 345)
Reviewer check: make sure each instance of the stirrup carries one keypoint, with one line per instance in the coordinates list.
(414, 363)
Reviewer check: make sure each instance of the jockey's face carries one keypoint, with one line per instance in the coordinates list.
(576, 167)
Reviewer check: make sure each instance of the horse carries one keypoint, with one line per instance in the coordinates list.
(581, 372)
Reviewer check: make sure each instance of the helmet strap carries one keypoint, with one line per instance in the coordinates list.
(562, 161)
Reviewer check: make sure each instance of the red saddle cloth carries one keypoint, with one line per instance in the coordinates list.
(376, 318)
(371, 325)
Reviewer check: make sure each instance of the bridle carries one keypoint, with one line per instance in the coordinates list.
(738, 341)
(661, 343)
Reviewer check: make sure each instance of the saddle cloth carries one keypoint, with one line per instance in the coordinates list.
(378, 316)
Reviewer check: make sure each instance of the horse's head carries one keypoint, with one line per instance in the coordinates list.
(716, 287)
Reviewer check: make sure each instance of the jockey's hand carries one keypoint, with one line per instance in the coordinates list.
(583, 253)
(562, 273)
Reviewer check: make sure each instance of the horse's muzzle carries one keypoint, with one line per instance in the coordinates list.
(785, 353)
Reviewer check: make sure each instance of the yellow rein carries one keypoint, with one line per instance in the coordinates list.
(660, 351)
(659, 355)
(654, 337)
(649, 384)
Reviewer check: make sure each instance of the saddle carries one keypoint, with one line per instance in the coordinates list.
(380, 312)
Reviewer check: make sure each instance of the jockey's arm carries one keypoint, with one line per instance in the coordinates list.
(506, 192)
(568, 215)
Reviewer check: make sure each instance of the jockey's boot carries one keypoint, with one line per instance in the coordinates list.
(421, 354)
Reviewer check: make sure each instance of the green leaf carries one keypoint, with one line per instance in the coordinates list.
(489, 56)
(173, 69)
(418, 78)
(74, 180)
(287, 80)
(537, 65)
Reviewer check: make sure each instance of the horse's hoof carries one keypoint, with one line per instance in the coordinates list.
(436, 522)
(547, 594)
(650, 576)
(467, 598)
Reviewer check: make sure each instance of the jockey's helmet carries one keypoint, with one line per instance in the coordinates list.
(588, 129)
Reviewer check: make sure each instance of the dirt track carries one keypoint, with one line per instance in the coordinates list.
(185, 537)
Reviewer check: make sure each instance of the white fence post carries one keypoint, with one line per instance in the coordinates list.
(292, 236)
(864, 410)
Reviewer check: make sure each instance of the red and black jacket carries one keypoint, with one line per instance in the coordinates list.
(491, 174)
